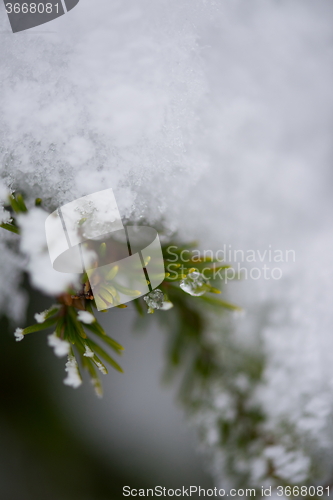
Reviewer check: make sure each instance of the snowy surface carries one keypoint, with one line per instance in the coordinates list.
(215, 118)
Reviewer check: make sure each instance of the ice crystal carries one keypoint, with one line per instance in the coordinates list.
(40, 317)
(194, 284)
(154, 299)
(61, 347)
(101, 367)
(88, 352)
(18, 334)
(166, 305)
(73, 378)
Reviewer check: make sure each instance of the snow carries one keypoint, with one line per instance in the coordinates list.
(18, 334)
(40, 317)
(290, 466)
(33, 245)
(73, 378)
(89, 353)
(61, 347)
(101, 367)
(85, 317)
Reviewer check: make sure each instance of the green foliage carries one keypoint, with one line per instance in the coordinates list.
(15, 205)
(89, 341)
(69, 327)
(202, 365)
(10, 227)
